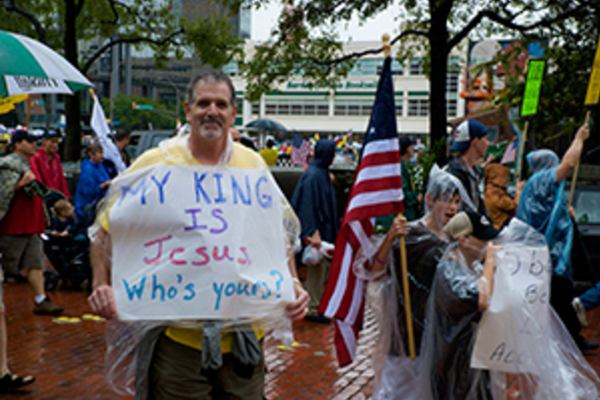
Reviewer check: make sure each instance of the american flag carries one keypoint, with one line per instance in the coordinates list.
(300, 150)
(510, 153)
(376, 191)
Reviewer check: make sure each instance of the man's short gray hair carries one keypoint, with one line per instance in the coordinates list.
(211, 76)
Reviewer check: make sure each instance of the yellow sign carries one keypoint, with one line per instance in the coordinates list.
(593, 92)
(8, 103)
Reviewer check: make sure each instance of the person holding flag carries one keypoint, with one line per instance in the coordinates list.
(396, 374)
(376, 191)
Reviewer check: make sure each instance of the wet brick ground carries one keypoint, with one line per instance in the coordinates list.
(67, 359)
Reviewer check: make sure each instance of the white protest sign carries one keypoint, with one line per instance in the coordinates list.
(198, 243)
(515, 323)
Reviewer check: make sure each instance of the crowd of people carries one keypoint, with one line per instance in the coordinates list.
(453, 233)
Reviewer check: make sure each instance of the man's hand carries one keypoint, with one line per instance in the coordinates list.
(297, 309)
(102, 301)
(315, 239)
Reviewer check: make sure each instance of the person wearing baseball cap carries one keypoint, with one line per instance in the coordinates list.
(48, 163)
(22, 219)
(461, 292)
(471, 142)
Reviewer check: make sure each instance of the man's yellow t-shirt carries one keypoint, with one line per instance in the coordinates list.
(176, 152)
(270, 156)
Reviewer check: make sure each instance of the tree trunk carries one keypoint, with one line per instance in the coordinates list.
(72, 103)
(438, 41)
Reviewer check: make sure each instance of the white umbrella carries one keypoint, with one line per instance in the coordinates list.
(28, 66)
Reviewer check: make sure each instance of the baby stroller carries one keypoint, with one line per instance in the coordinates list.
(68, 255)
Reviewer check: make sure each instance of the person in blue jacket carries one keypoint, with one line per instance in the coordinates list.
(92, 185)
(542, 205)
(315, 204)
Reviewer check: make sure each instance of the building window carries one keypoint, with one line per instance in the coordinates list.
(416, 67)
(451, 108)
(452, 79)
(255, 108)
(353, 107)
(373, 66)
(399, 107)
(296, 107)
(418, 107)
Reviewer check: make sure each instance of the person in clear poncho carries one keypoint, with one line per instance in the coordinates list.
(191, 359)
(425, 243)
(478, 281)
(543, 206)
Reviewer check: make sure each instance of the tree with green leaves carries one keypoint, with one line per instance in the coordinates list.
(64, 24)
(159, 116)
(306, 42)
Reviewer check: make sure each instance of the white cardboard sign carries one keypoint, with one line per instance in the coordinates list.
(198, 243)
(511, 329)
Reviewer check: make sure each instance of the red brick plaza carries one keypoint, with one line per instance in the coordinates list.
(68, 359)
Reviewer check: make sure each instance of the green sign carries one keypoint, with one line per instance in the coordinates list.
(145, 107)
(533, 85)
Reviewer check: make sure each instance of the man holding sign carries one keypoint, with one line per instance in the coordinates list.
(197, 233)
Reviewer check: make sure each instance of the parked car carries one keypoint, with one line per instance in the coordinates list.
(144, 140)
(586, 201)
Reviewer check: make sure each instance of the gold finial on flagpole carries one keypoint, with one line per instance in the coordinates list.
(387, 47)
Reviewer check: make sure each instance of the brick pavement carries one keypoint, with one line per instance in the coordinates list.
(67, 359)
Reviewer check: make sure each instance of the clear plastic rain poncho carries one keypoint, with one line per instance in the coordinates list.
(518, 348)
(207, 259)
(542, 206)
(395, 372)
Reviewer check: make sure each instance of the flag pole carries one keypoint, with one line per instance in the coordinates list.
(387, 47)
(522, 150)
(576, 171)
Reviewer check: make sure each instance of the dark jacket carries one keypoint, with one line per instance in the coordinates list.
(411, 204)
(457, 168)
(314, 197)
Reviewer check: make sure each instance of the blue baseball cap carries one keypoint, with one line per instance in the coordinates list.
(51, 133)
(466, 132)
(21, 135)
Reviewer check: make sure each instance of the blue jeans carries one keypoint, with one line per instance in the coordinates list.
(591, 298)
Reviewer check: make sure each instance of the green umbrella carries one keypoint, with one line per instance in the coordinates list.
(28, 66)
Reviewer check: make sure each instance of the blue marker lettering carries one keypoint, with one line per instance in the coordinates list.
(135, 290)
(190, 288)
(200, 189)
(219, 199)
(264, 200)
(218, 290)
(237, 191)
(140, 188)
(157, 286)
(268, 293)
(161, 185)
(172, 292)
(230, 289)
(243, 289)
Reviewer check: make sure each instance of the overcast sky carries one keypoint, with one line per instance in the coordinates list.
(264, 19)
